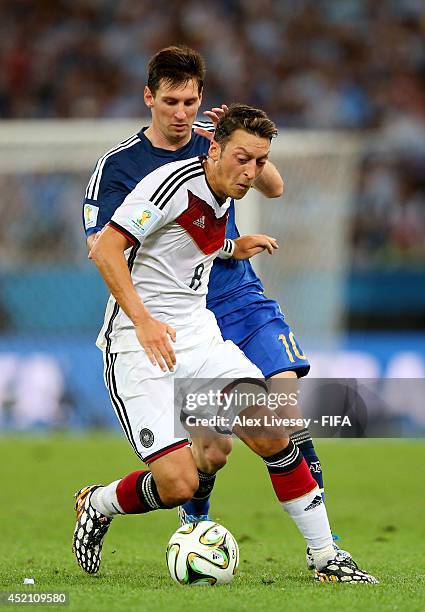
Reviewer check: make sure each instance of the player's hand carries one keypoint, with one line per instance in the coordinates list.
(215, 114)
(248, 246)
(154, 336)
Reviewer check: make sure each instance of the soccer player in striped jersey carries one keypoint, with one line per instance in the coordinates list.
(155, 255)
(235, 294)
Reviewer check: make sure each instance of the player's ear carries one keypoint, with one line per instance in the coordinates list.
(148, 97)
(214, 150)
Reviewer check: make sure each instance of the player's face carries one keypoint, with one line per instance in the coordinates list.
(174, 110)
(239, 163)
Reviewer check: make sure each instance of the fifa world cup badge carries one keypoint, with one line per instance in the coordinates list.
(90, 215)
(144, 221)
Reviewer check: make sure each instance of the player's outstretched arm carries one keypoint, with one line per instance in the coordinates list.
(270, 183)
(250, 245)
(154, 336)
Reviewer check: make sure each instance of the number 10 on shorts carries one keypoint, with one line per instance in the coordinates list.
(293, 349)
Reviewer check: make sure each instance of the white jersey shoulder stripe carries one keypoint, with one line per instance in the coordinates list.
(99, 173)
(176, 185)
(205, 125)
(171, 178)
(99, 161)
(93, 187)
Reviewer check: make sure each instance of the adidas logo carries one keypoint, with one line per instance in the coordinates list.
(316, 502)
(200, 222)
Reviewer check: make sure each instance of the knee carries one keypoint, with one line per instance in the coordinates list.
(179, 491)
(213, 455)
(216, 460)
(267, 448)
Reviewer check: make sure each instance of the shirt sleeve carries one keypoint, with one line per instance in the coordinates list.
(105, 192)
(137, 218)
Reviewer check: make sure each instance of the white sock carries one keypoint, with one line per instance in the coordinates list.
(322, 555)
(104, 500)
(310, 516)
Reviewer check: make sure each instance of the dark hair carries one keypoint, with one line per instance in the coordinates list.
(176, 66)
(243, 117)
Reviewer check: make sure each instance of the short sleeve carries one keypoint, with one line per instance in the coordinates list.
(137, 218)
(105, 192)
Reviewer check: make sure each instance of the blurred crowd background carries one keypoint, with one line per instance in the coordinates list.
(312, 63)
(356, 65)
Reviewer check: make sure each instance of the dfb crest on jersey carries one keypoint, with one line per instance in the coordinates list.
(146, 437)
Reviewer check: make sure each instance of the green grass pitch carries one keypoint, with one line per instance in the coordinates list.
(373, 497)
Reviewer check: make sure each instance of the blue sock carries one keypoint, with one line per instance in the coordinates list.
(200, 502)
(304, 442)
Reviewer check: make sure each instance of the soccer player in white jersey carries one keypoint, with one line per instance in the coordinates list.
(245, 315)
(155, 256)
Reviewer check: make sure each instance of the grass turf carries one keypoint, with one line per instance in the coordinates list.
(372, 497)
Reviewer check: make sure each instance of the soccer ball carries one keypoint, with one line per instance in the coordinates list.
(203, 553)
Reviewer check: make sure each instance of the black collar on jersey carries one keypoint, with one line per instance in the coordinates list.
(220, 201)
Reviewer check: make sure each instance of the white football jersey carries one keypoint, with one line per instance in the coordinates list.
(176, 225)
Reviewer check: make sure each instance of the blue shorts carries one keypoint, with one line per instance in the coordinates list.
(261, 332)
